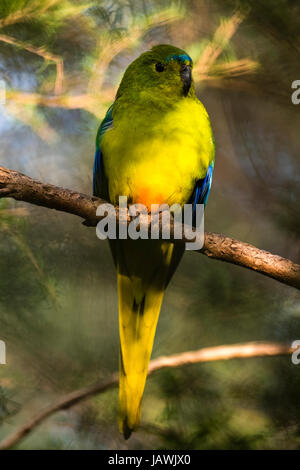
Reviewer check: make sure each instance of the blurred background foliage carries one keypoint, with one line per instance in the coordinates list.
(62, 61)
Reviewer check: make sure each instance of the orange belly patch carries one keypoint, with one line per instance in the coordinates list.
(148, 196)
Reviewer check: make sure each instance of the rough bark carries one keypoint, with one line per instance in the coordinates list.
(23, 188)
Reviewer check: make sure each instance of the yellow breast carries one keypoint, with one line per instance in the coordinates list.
(158, 159)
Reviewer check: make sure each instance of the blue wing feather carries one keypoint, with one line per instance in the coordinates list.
(202, 189)
(100, 186)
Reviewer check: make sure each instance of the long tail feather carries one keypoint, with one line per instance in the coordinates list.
(142, 276)
(138, 318)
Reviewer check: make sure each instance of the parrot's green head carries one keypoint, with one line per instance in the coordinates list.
(164, 71)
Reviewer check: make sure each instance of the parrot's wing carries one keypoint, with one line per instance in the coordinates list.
(100, 183)
(202, 189)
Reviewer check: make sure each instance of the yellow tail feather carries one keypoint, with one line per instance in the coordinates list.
(142, 276)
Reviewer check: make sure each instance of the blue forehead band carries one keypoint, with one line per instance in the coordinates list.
(180, 58)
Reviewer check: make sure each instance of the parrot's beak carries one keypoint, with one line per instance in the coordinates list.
(186, 77)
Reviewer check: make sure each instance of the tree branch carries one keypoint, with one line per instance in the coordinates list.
(42, 53)
(245, 350)
(23, 188)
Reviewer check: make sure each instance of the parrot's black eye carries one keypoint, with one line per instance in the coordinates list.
(159, 67)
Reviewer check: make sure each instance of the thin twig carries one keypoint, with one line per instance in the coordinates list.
(245, 350)
(40, 51)
(227, 70)
(214, 48)
(93, 104)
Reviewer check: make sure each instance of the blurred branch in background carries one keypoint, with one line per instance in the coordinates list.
(205, 67)
(232, 69)
(218, 353)
(109, 48)
(13, 12)
(96, 95)
(22, 188)
(47, 56)
(45, 19)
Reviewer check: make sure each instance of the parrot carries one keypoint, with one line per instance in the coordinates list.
(155, 145)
